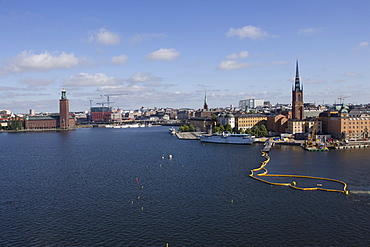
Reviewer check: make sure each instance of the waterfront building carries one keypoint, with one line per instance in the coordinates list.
(226, 118)
(277, 123)
(310, 123)
(185, 114)
(101, 114)
(202, 124)
(64, 120)
(248, 121)
(340, 123)
(296, 126)
(41, 122)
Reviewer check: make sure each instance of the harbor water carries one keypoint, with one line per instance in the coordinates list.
(118, 187)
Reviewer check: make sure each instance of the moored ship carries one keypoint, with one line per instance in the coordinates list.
(228, 138)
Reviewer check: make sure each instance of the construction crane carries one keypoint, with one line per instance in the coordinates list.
(313, 133)
(110, 95)
(342, 99)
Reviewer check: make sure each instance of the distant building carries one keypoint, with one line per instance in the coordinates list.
(205, 107)
(226, 118)
(64, 117)
(297, 98)
(296, 126)
(203, 124)
(277, 123)
(340, 123)
(248, 121)
(247, 104)
(64, 120)
(101, 114)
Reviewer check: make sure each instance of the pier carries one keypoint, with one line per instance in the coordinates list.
(352, 146)
(189, 135)
(268, 146)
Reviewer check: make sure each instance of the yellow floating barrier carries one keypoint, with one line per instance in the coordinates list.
(293, 184)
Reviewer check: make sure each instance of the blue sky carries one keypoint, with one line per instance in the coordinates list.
(169, 53)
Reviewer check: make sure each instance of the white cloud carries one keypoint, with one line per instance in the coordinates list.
(240, 55)
(163, 54)
(104, 37)
(37, 81)
(363, 44)
(251, 32)
(231, 65)
(119, 59)
(351, 74)
(87, 79)
(310, 31)
(28, 61)
(142, 37)
(144, 77)
(124, 88)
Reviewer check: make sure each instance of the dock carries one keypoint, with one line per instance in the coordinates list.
(189, 135)
(351, 146)
(268, 146)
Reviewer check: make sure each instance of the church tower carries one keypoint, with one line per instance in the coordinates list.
(205, 107)
(64, 111)
(297, 98)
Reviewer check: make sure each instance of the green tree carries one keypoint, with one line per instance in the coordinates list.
(263, 130)
(184, 128)
(191, 128)
(241, 131)
(15, 124)
(216, 129)
(228, 128)
(222, 128)
(256, 131)
(248, 131)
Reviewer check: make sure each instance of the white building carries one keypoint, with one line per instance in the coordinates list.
(224, 118)
(251, 103)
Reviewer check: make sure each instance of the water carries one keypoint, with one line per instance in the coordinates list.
(78, 188)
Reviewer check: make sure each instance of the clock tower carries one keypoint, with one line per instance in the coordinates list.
(64, 111)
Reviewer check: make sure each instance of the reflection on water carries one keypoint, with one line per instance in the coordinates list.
(80, 188)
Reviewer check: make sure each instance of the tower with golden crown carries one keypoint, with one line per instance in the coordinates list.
(64, 122)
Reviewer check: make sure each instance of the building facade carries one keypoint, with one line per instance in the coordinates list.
(64, 111)
(248, 121)
(277, 123)
(64, 120)
(250, 104)
(340, 123)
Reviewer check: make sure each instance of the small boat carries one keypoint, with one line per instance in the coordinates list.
(228, 138)
(172, 131)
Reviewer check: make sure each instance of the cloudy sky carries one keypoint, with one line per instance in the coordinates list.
(169, 53)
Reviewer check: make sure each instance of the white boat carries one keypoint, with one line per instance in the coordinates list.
(228, 138)
(172, 131)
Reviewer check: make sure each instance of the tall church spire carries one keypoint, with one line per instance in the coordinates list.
(297, 97)
(205, 101)
(297, 83)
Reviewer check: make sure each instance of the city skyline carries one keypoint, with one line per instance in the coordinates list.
(168, 53)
